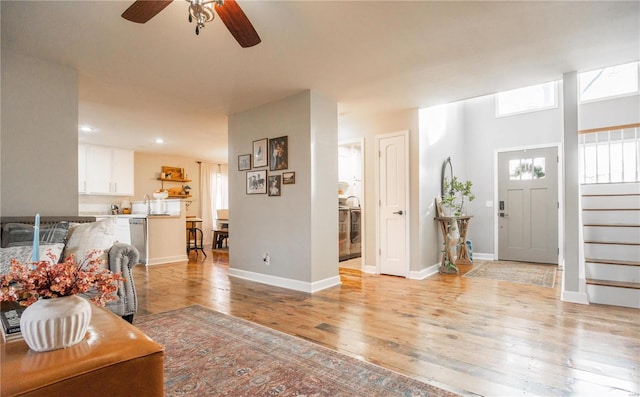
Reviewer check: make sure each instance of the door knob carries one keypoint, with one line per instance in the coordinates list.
(399, 212)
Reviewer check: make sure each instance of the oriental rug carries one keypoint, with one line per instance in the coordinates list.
(542, 275)
(208, 353)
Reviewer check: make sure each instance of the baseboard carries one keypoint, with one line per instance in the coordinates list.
(574, 297)
(483, 257)
(288, 283)
(370, 269)
(167, 259)
(424, 273)
(580, 297)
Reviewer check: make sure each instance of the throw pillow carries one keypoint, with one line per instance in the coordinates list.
(85, 237)
(23, 255)
(20, 234)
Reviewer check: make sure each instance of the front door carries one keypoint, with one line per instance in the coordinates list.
(528, 205)
(392, 170)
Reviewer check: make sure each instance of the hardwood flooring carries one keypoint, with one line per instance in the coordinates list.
(469, 335)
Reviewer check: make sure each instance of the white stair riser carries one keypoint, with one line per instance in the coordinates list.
(612, 234)
(611, 202)
(611, 188)
(602, 271)
(626, 297)
(618, 252)
(615, 217)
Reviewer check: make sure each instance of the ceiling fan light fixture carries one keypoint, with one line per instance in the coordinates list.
(201, 11)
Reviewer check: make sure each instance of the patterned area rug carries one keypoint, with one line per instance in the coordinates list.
(516, 272)
(208, 353)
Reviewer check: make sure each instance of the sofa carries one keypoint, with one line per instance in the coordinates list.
(65, 235)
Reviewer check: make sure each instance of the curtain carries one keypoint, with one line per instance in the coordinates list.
(214, 196)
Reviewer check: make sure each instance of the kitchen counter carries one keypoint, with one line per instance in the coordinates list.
(102, 216)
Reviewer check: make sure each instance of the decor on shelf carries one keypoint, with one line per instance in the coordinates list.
(172, 174)
(48, 325)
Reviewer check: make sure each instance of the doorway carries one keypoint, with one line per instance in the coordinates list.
(528, 205)
(351, 211)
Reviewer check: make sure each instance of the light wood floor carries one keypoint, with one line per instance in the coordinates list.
(468, 335)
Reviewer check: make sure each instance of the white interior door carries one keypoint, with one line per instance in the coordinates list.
(528, 205)
(393, 233)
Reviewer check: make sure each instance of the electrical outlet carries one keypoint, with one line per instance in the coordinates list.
(266, 259)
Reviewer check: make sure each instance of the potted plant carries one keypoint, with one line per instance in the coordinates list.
(455, 193)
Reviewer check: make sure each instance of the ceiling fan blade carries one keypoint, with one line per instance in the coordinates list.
(238, 23)
(143, 10)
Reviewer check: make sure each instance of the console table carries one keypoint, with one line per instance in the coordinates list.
(115, 358)
(463, 226)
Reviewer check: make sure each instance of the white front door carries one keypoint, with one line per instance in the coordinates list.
(393, 176)
(528, 205)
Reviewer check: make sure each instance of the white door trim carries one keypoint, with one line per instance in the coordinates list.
(558, 147)
(378, 138)
(363, 223)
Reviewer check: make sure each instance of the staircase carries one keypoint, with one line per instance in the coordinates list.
(611, 229)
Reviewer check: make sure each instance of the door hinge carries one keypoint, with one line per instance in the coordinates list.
(557, 159)
(558, 204)
(558, 251)
(380, 251)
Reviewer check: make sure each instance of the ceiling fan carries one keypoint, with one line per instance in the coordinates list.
(201, 11)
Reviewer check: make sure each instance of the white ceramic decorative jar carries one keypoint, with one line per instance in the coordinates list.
(56, 323)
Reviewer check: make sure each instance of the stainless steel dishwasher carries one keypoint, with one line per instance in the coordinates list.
(138, 230)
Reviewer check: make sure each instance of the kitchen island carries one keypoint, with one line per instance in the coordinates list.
(166, 239)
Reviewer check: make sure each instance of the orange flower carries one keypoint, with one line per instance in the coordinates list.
(29, 282)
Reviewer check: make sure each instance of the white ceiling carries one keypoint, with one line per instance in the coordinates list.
(139, 82)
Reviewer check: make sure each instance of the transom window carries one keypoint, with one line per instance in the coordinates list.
(608, 82)
(527, 99)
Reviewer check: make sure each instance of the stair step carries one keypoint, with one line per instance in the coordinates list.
(608, 225)
(611, 209)
(610, 194)
(610, 243)
(609, 283)
(612, 262)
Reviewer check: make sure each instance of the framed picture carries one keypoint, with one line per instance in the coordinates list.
(257, 182)
(274, 185)
(244, 162)
(175, 173)
(278, 153)
(288, 178)
(260, 155)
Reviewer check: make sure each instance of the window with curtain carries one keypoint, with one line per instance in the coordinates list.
(215, 196)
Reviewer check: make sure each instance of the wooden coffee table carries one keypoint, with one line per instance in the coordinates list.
(115, 359)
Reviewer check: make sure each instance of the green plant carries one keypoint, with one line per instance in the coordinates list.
(455, 193)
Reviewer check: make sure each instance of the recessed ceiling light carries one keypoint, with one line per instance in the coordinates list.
(86, 128)
(159, 140)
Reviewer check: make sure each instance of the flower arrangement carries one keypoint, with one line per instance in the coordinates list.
(28, 282)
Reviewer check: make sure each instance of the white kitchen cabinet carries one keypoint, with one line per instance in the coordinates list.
(105, 170)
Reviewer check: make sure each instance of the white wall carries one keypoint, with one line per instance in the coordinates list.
(441, 136)
(39, 134)
(484, 134)
(299, 228)
(616, 111)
